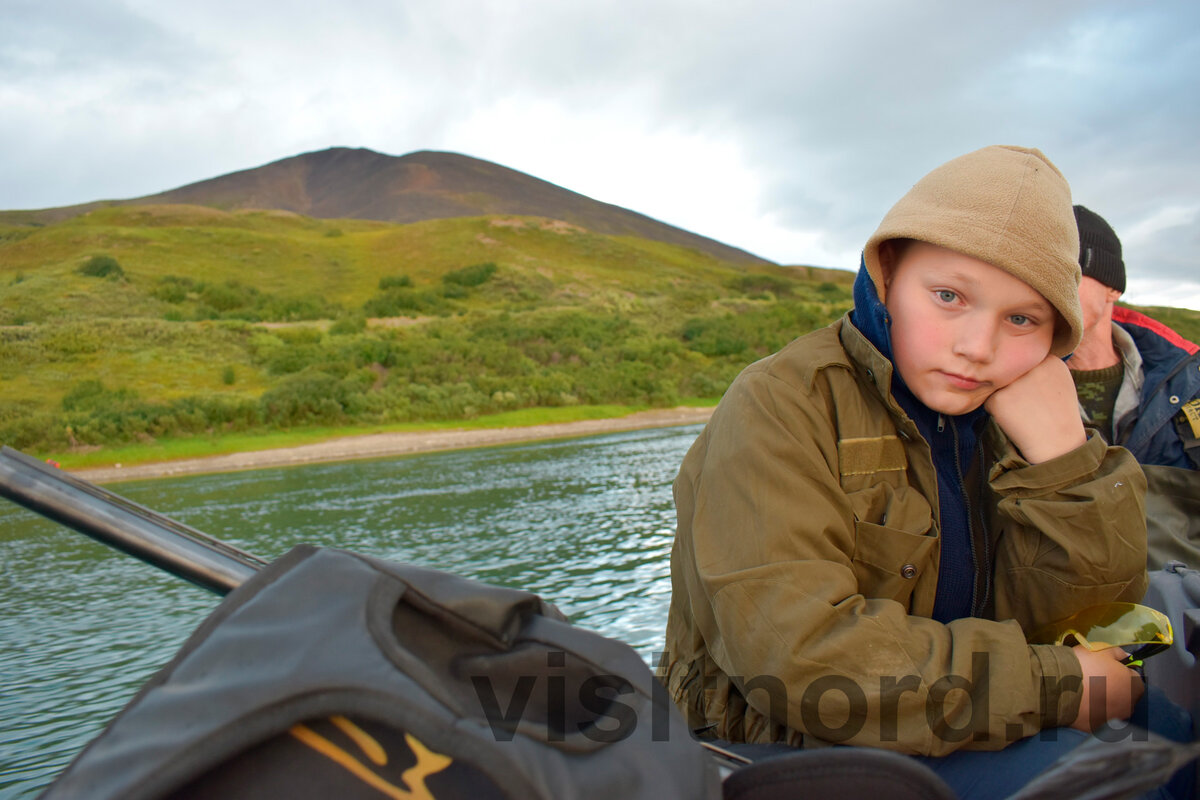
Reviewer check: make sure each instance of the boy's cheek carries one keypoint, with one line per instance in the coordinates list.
(1026, 370)
(991, 391)
(996, 386)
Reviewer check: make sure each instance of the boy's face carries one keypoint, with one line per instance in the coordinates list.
(961, 328)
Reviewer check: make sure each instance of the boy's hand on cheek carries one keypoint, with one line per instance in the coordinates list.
(1040, 411)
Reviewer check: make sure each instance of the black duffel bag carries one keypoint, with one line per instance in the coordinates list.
(331, 674)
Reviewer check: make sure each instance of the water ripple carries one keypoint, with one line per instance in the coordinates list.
(586, 523)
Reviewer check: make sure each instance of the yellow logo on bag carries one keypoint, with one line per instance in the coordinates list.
(428, 762)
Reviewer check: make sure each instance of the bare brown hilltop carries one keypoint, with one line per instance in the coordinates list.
(343, 182)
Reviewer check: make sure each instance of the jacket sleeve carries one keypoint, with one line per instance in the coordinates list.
(1071, 531)
(773, 541)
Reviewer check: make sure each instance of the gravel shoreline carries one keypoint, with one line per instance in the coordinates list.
(380, 445)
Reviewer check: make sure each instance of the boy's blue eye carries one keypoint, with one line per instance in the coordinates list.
(946, 296)
(1020, 319)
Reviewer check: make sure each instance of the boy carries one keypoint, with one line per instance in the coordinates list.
(877, 515)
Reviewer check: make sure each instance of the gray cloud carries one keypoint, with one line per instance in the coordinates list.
(835, 109)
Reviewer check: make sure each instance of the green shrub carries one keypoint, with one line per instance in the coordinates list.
(93, 395)
(295, 309)
(395, 282)
(715, 336)
(232, 300)
(301, 334)
(444, 401)
(227, 296)
(172, 289)
(212, 411)
(100, 416)
(35, 431)
(310, 398)
(474, 275)
(405, 303)
(831, 291)
(355, 323)
(758, 283)
(101, 266)
(294, 358)
(364, 350)
(64, 341)
(710, 383)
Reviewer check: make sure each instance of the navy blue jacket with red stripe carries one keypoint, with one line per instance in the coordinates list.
(1171, 369)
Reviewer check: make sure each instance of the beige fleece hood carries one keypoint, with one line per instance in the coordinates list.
(1008, 206)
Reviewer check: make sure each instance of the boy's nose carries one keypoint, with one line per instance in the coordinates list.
(975, 340)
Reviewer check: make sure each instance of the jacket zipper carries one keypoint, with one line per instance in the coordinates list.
(962, 487)
(978, 598)
(1123, 441)
(985, 576)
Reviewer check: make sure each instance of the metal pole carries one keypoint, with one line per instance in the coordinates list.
(115, 521)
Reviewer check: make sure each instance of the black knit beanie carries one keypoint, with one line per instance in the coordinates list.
(1099, 249)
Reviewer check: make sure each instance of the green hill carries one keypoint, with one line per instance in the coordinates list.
(133, 323)
(346, 183)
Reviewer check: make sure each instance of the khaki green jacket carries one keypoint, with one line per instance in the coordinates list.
(805, 566)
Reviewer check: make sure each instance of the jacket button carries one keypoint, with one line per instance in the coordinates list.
(1174, 399)
(908, 571)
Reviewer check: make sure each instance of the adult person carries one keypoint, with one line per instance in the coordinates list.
(876, 516)
(1138, 384)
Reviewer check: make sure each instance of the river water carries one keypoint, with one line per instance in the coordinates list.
(586, 523)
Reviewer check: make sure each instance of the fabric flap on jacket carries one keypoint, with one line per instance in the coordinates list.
(870, 454)
(1191, 412)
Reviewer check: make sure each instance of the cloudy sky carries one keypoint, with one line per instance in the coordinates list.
(784, 128)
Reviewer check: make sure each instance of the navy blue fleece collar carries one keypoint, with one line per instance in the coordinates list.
(870, 315)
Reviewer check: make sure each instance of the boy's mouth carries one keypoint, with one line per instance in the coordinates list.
(962, 381)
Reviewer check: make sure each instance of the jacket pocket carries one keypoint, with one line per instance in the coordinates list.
(888, 562)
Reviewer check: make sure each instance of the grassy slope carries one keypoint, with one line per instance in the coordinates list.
(59, 328)
(342, 260)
